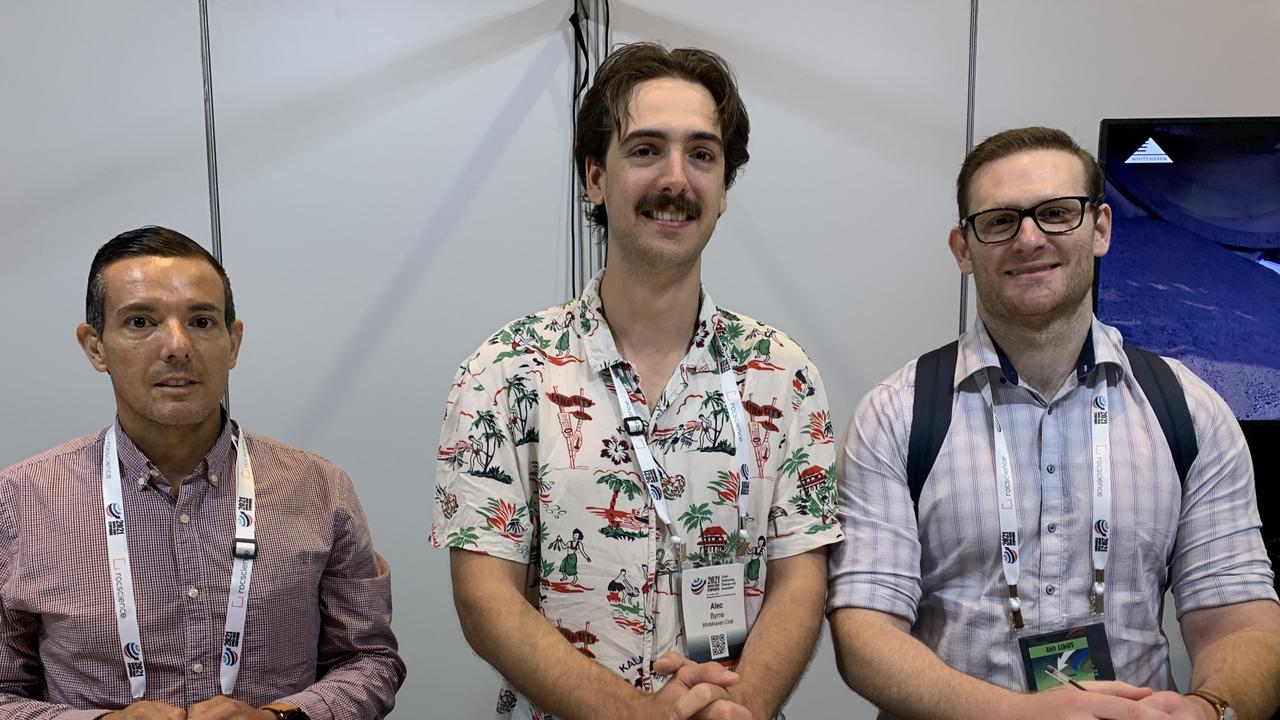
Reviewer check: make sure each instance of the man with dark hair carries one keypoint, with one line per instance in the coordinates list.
(1071, 480)
(637, 486)
(174, 565)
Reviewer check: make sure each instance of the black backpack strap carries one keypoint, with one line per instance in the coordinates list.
(930, 414)
(1169, 402)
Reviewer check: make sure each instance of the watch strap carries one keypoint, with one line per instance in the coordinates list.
(1219, 704)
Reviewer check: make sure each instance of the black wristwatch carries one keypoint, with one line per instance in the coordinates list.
(294, 714)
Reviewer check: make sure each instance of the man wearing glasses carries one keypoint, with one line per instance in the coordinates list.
(1054, 515)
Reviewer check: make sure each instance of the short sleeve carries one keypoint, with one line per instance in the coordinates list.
(1219, 557)
(878, 565)
(802, 513)
(483, 498)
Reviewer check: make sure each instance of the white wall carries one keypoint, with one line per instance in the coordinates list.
(394, 177)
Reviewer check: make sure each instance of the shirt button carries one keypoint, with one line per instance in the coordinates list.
(1053, 527)
(213, 478)
(1050, 411)
(1052, 469)
(184, 518)
(197, 668)
(1050, 590)
(193, 593)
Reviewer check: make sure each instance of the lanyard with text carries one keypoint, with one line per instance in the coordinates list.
(1100, 493)
(244, 549)
(635, 429)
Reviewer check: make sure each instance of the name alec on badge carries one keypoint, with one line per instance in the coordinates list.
(715, 619)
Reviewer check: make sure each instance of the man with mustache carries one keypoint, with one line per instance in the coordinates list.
(175, 565)
(1056, 512)
(664, 433)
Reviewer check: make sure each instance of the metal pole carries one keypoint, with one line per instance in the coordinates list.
(211, 150)
(968, 139)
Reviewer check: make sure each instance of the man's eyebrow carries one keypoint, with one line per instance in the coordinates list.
(698, 135)
(146, 307)
(135, 306)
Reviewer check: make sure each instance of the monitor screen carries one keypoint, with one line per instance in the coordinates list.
(1194, 266)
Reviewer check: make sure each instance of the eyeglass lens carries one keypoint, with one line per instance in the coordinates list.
(1058, 215)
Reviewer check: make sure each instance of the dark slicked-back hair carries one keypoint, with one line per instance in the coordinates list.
(1010, 142)
(605, 105)
(149, 241)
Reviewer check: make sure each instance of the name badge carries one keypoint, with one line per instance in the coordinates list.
(715, 612)
(1080, 653)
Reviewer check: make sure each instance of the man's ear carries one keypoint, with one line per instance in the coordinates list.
(595, 176)
(1102, 231)
(237, 336)
(91, 344)
(960, 249)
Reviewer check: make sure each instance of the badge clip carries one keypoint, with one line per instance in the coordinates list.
(1015, 607)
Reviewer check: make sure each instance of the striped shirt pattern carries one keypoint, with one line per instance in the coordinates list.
(943, 573)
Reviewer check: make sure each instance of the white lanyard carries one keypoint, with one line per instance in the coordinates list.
(1007, 501)
(636, 430)
(244, 549)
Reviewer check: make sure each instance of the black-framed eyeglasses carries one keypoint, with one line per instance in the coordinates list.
(1054, 217)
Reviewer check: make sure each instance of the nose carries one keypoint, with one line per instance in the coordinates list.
(673, 178)
(1029, 235)
(176, 341)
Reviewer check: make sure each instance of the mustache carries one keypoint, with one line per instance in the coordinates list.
(656, 202)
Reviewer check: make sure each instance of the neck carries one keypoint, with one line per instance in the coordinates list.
(651, 315)
(1043, 354)
(175, 450)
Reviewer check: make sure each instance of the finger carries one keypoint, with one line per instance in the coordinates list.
(1170, 702)
(710, 672)
(1107, 707)
(1117, 689)
(723, 710)
(698, 697)
(670, 662)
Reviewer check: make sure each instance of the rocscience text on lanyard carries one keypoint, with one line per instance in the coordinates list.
(244, 549)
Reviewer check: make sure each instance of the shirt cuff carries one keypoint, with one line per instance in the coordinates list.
(309, 702)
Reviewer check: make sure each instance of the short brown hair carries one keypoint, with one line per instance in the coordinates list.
(146, 241)
(1010, 142)
(605, 104)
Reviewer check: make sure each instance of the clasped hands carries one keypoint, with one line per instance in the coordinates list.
(696, 691)
(218, 707)
(1114, 699)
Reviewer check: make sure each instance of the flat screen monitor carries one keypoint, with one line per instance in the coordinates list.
(1194, 266)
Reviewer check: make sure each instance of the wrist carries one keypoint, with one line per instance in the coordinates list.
(285, 712)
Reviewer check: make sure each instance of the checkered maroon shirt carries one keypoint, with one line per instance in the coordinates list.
(318, 631)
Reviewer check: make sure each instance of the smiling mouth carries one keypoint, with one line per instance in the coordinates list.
(1032, 269)
(667, 215)
(176, 383)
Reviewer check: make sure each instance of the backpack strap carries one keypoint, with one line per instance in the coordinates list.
(1169, 402)
(930, 414)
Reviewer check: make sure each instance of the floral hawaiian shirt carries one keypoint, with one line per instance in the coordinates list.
(535, 467)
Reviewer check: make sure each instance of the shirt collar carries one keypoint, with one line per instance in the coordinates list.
(600, 349)
(216, 465)
(978, 351)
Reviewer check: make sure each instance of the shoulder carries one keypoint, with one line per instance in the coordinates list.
(745, 332)
(72, 454)
(274, 458)
(1209, 412)
(542, 333)
(54, 473)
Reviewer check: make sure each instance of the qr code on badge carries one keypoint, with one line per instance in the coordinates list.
(719, 646)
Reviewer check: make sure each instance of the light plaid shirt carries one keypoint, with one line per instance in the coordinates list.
(318, 629)
(943, 573)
